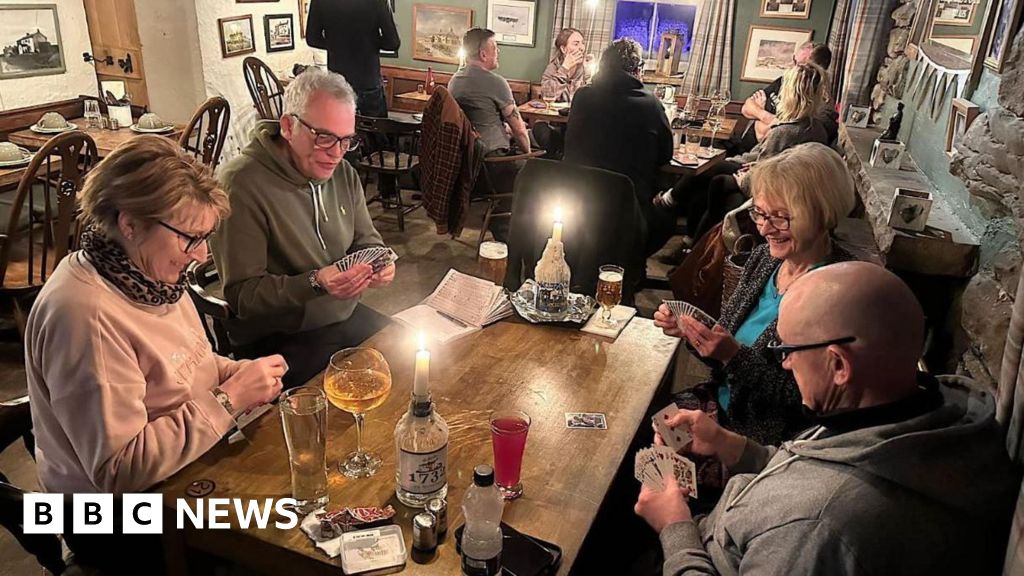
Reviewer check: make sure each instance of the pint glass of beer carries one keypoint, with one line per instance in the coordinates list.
(609, 291)
(493, 261)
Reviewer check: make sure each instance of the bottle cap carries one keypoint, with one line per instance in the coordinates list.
(483, 475)
(424, 532)
(439, 508)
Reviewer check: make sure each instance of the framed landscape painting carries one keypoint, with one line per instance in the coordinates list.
(279, 32)
(514, 22)
(236, 35)
(30, 36)
(770, 52)
(437, 32)
(798, 9)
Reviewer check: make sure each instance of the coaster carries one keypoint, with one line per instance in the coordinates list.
(621, 315)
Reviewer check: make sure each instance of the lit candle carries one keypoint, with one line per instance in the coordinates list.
(556, 233)
(421, 380)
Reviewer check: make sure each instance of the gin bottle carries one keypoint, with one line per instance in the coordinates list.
(421, 439)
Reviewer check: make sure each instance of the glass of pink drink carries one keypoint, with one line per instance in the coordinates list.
(508, 436)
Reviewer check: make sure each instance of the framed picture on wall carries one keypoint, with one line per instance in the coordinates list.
(1007, 16)
(279, 32)
(961, 115)
(390, 53)
(303, 17)
(770, 52)
(30, 36)
(954, 12)
(236, 35)
(514, 22)
(800, 9)
(437, 32)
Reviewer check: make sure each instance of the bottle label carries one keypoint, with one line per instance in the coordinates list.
(423, 473)
(488, 567)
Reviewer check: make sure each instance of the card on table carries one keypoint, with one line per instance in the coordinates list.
(675, 438)
(680, 308)
(591, 420)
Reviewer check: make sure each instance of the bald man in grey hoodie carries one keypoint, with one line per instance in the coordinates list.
(903, 473)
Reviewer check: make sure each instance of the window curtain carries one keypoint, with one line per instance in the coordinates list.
(867, 42)
(839, 35)
(594, 22)
(710, 66)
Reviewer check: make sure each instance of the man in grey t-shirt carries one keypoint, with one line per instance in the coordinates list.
(486, 97)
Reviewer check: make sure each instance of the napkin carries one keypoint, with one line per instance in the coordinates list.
(311, 526)
(620, 314)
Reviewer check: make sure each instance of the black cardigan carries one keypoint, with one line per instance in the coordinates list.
(764, 401)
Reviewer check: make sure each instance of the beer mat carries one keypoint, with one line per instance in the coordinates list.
(621, 315)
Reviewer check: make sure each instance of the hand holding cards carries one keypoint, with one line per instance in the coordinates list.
(653, 465)
(675, 437)
(680, 308)
(378, 257)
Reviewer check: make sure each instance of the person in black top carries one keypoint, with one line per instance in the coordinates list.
(354, 32)
(615, 125)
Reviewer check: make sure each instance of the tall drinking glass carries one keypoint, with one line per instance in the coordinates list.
(609, 291)
(692, 147)
(356, 381)
(92, 113)
(304, 420)
(508, 437)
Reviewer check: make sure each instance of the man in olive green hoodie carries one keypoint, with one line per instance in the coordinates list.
(297, 208)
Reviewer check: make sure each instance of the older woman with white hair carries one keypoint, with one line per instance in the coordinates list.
(799, 197)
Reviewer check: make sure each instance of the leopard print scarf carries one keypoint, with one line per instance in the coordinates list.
(113, 263)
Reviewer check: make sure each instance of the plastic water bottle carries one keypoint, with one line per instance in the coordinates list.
(481, 539)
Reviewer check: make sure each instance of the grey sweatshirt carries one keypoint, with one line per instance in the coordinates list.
(929, 495)
(283, 226)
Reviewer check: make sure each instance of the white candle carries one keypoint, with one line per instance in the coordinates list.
(421, 380)
(556, 233)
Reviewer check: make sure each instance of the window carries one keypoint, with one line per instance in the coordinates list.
(645, 21)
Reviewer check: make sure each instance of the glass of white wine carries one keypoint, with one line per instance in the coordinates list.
(548, 94)
(356, 381)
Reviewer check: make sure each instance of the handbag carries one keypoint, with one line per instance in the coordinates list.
(734, 264)
(698, 280)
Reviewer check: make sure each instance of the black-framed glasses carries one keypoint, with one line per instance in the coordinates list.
(326, 140)
(781, 351)
(191, 242)
(780, 223)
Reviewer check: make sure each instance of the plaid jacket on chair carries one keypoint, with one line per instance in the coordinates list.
(448, 165)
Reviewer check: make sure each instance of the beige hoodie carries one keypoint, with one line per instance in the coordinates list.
(120, 391)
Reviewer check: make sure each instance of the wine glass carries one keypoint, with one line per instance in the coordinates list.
(548, 94)
(356, 381)
(715, 124)
(609, 291)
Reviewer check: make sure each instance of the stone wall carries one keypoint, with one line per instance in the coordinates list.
(990, 161)
(891, 73)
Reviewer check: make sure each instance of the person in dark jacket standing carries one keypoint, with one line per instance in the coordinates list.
(615, 125)
(354, 32)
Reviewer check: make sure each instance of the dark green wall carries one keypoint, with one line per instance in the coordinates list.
(748, 14)
(516, 62)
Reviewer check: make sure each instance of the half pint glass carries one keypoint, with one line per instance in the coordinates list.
(493, 261)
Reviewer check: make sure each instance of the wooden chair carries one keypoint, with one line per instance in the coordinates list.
(486, 193)
(265, 89)
(213, 310)
(206, 131)
(389, 152)
(42, 225)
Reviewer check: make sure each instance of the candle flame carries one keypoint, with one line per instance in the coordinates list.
(422, 341)
(558, 214)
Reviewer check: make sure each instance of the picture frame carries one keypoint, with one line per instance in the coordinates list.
(437, 32)
(887, 154)
(389, 53)
(959, 43)
(954, 12)
(770, 51)
(796, 9)
(236, 35)
(910, 209)
(279, 32)
(514, 22)
(25, 53)
(303, 16)
(858, 116)
(961, 115)
(1006, 19)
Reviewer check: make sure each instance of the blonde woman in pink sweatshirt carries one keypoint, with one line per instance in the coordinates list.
(124, 387)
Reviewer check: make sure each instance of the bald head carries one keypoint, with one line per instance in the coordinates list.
(867, 302)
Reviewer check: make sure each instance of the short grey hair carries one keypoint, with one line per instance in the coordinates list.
(313, 79)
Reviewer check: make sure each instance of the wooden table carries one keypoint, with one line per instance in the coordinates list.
(542, 370)
(681, 165)
(532, 114)
(416, 101)
(106, 140)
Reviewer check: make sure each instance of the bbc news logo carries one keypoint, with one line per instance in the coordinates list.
(144, 513)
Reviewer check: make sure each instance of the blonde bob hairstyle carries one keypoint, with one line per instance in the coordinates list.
(812, 181)
(802, 94)
(151, 178)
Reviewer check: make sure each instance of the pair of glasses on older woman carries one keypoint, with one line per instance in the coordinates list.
(780, 223)
(191, 242)
(326, 140)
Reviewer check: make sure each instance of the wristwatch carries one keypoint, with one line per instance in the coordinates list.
(224, 399)
(315, 283)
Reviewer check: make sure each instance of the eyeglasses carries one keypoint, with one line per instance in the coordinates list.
(780, 223)
(782, 351)
(191, 242)
(326, 140)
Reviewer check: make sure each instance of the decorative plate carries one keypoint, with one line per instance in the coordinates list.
(40, 130)
(26, 158)
(580, 307)
(135, 128)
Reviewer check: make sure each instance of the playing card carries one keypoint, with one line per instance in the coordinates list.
(592, 420)
(686, 474)
(378, 257)
(675, 438)
(646, 470)
(680, 308)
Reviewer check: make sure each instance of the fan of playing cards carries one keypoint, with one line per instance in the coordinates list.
(656, 463)
(378, 257)
(680, 308)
